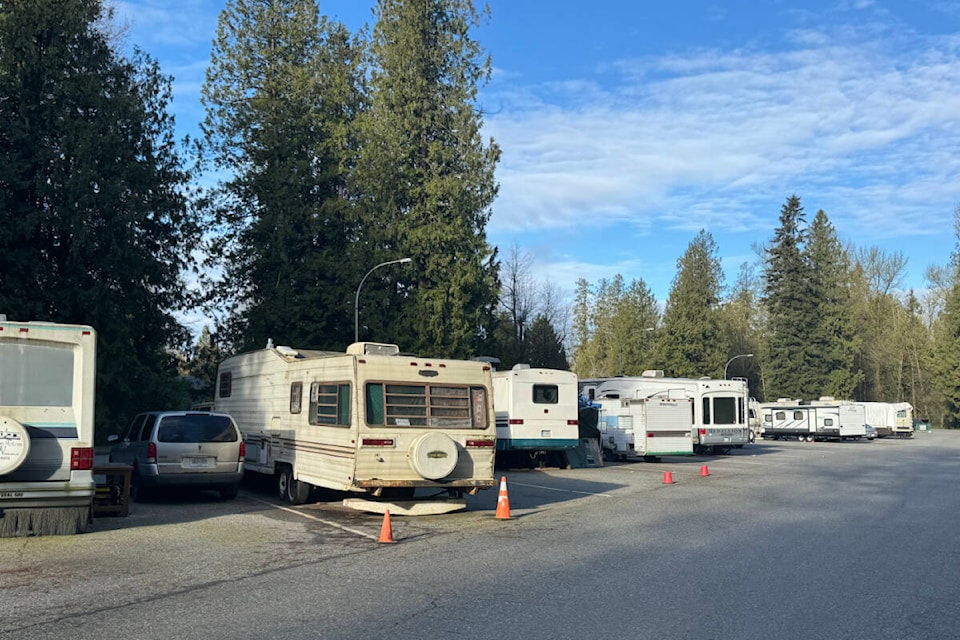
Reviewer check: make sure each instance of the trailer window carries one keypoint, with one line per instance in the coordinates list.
(545, 394)
(226, 384)
(828, 422)
(781, 415)
(706, 411)
(330, 404)
(296, 396)
(724, 410)
(36, 375)
(798, 415)
(414, 405)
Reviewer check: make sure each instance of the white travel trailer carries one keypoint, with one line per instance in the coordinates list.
(47, 392)
(537, 420)
(644, 427)
(369, 420)
(812, 421)
(719, 407)
(890, 418)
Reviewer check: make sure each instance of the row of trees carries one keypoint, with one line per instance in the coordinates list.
(813, 318)
(337, 151)
(340, 151)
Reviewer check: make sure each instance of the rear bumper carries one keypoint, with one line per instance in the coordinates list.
(199, 480)
(15, 495)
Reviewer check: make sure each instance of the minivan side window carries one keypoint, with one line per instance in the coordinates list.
(133, 431)
(148, 427)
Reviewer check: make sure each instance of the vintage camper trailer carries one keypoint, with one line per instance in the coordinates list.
(369, 420)
(536, 412)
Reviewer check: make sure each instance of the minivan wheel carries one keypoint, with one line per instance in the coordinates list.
(229, 493)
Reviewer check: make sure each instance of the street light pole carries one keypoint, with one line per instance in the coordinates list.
(742, 355)
(356, 300)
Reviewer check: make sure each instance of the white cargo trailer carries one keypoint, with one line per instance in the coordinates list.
(645, 427)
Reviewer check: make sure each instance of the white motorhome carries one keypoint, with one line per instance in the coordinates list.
(823, 419)
(719, 407)
(644, 427)
(537, 421)
(47, 392)
(369, 420)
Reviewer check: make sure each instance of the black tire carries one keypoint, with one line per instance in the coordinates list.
(291, 489)
(139, 492)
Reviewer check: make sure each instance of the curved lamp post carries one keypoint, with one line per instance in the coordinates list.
(742, 355)
(356, 300)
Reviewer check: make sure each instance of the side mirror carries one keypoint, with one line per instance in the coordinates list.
(112, 438)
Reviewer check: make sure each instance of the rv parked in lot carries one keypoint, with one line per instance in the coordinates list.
(644, 427)
(369, 420)
(47, 386)
(536, 411)
(719, 407)
(823, 419)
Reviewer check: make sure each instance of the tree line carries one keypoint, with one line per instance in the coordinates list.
(324, 153)
(812, 317)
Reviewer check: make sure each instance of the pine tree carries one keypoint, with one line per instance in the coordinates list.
(833, 341)
(96, 228)
(946, 363)
(427, 178)
(281, 93)
(690, 341)
(791, 309)
(544, 347)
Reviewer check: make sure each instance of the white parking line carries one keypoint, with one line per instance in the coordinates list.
(316, 519)
(537, 486)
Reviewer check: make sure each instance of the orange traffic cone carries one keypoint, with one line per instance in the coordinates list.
(704, 471)
(386, 531)
(503, 502)
(667, 477)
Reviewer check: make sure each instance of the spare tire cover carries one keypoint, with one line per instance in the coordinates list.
(14, 445)
(433, 455)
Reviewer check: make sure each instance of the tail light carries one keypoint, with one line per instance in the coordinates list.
(516, 421)
(152, 452)
(651, 434)
(480, 443)
(703, 432)
(243, 450)
(81, 458)
(573, 423)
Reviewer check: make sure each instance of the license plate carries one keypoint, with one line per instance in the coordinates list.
(197, 462)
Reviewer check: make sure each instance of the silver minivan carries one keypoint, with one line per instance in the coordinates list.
(201, 450)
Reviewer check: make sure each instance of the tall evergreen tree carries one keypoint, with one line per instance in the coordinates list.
(281, 93)
(427, 177)
(791, 309)
(96, 228)
(947, 340)
(690, 342)
(544, 347)
(742, 322)
(833, 342)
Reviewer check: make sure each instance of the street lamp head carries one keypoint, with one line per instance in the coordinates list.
(404, 260)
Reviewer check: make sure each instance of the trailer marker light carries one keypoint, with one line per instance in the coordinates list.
(515, 421)
(377, 442)
(486, 443)
(573, 422)
(651, 434)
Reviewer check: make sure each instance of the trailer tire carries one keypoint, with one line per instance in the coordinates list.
(433, 455)
(14, 445)
(291, 489)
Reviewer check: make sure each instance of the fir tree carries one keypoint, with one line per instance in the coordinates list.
(427, 177)
(96, 228)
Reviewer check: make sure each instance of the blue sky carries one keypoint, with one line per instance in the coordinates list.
(626, 126)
